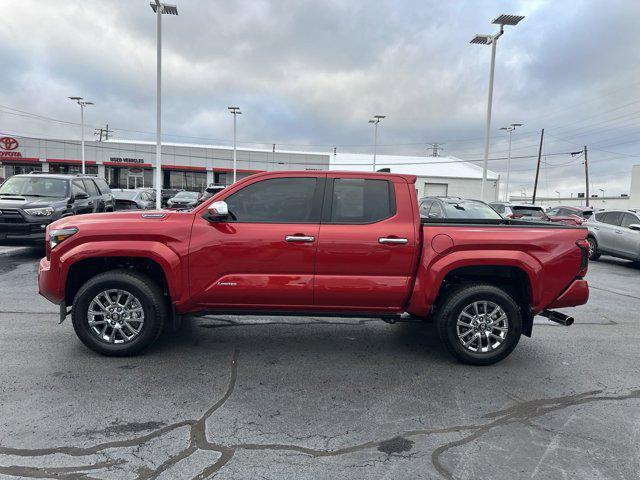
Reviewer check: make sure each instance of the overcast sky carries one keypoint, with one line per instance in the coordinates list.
(310, 74)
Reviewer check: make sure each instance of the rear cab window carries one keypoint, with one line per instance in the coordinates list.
(358, 201)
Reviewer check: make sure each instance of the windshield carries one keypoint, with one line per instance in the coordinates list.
(190, 195)
(35, 187)
(468, 209)
(124, 194)
(528, 211)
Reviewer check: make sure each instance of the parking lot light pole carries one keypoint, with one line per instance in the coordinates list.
(82, 104)
(159, 9)
(235, 111)
(375, 120)
(509, 129)
(492, 40)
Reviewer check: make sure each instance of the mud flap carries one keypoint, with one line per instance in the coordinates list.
(63, 311)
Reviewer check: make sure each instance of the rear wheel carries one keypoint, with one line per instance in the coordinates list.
(480, 324)
(119, 313)
(593, 249)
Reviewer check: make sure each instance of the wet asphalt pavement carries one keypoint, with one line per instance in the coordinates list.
(317, 398)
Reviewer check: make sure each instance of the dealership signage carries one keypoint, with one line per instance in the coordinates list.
(126, 160)
(8, 146)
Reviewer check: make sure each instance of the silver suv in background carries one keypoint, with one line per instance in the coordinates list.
(615, 233)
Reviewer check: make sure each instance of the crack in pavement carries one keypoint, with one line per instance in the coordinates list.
(522, 412)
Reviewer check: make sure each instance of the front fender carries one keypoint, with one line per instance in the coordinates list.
(160, 253)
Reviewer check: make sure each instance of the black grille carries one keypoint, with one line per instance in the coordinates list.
(11, 215)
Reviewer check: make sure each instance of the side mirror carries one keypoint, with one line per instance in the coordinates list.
(81, 196)
(635, 226)
(217, 212)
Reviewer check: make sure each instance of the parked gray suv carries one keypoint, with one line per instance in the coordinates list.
(615, 233)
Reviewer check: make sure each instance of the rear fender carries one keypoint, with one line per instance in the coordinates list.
(432, 273)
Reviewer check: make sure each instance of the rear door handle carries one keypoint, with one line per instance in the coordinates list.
(393, 240)
(299, 238)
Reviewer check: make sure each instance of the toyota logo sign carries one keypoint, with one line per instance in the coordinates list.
(8, 143)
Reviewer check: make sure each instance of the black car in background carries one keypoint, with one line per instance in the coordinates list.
(130, 199)
(438, 208)
(184, 200)
(168, 193)
(29, 202)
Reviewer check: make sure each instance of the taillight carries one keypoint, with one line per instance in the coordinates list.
(584, 259)
(509, 215)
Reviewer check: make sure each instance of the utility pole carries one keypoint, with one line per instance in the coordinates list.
(535, 185)
(375, 120)
(101, 131)
(586, 174)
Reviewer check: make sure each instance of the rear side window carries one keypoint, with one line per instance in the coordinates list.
(628, 219)
(277, 200)
(91, 188)
(358, 200)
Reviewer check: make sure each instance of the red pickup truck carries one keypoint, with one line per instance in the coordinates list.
(312, 243)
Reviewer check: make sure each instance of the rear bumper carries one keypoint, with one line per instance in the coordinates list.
(576, 294)
(49, 282)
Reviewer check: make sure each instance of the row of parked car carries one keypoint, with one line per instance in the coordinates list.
(29, 202)
(611, 232)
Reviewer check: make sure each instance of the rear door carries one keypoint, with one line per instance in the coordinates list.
(264, 255)
(368, 243)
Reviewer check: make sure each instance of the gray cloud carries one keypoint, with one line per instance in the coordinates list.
(311, 73)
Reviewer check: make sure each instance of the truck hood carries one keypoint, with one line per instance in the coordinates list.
(136, 220)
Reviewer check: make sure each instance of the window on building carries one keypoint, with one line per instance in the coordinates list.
(277, 200)
(356, 200)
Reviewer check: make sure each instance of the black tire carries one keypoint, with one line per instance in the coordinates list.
(459, 299)
(594, 254)
(143, 288)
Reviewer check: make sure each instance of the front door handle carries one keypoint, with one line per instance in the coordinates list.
(299, 238)
(393, 240)
(618, 231)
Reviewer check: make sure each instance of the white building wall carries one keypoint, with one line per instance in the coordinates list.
(459, 187)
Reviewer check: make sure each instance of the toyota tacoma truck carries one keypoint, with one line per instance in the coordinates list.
(313, 243)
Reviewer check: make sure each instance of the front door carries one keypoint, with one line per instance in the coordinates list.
(368, 246)
(82, 201)
(264, 255)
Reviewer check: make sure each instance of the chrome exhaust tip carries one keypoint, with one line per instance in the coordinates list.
(557, 317)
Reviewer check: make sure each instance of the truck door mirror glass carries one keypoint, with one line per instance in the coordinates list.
(218, 211)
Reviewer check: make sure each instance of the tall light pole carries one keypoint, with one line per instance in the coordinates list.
(509, 129)
(82, 104)
(492, 40)
(235, 111)
(160, 9)
(375, 120)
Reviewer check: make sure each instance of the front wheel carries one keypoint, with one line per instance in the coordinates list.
(119, 313)
(480, 324)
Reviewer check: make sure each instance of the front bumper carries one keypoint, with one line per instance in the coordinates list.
(49, 284)
(30, 233)
(576, 294)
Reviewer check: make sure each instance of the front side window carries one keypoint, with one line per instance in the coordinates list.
(91, 187)
(612, 218)
(276, 200)
(77, 187)
(358, 200)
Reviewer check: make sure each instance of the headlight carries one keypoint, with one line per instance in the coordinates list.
(58, 236)
(39, 212)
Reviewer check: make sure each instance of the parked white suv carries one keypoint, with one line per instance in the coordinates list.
(615, 233)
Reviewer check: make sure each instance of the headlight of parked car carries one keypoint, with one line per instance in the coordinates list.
(57, 236)
(39, 212)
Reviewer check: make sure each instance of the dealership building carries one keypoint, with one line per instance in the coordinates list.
(130, 164)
